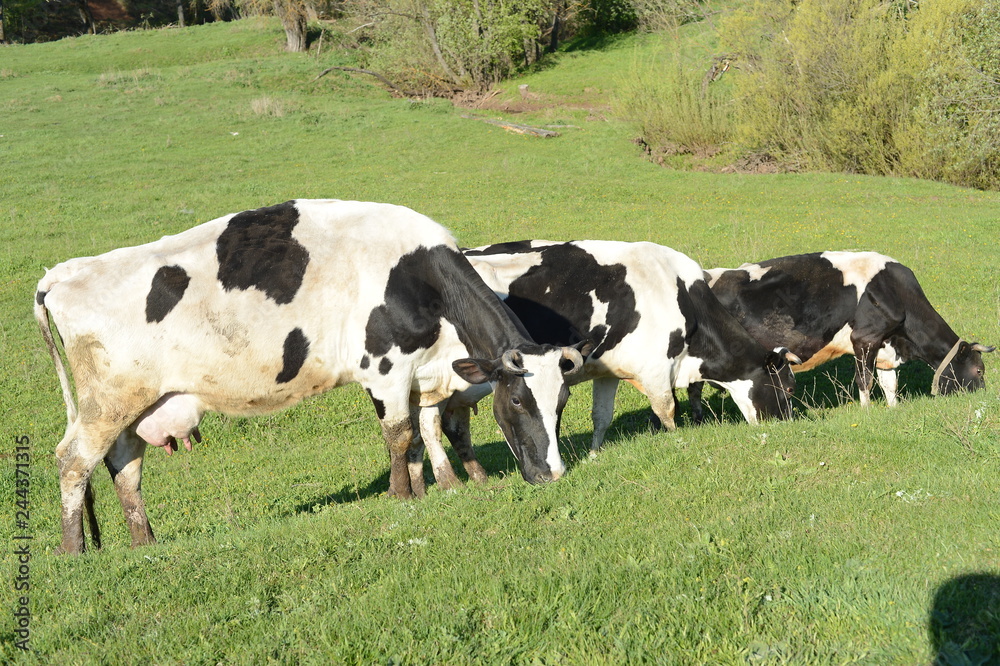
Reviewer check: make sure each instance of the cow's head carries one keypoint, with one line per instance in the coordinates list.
(774, 385)
(530, 390)
(966, 370)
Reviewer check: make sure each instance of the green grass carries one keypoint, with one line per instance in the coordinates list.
(821, 540)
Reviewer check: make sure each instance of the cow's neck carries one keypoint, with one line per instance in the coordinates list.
(930, 336)
(485, 325)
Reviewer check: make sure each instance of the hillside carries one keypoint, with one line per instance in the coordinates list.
(845, 535)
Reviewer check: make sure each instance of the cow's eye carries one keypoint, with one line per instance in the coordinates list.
(515, 401)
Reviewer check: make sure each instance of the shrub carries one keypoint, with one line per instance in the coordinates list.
(871, 86)
(952, 132)
(450, 43)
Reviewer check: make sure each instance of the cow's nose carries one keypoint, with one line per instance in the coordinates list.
(546, 477)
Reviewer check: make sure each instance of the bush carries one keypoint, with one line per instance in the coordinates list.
(871, 86)
(952, 132)
(436, 44)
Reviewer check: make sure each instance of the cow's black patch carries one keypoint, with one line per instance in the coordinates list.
(257, 251)
(379, 405)
(676, 345)
(800, 303)
(512, 247)
(365, 362)
(40, 297)
(166, 291)
(555, 302)
(294, 356)
(384, 366)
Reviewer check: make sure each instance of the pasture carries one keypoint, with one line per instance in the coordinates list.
(846, 535)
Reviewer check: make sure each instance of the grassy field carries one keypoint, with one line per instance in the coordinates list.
(843, 536)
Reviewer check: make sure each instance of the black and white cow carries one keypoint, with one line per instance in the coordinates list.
(650, 315)
(252, 312)
(825, 305)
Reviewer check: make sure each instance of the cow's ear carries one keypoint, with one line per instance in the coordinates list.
(585, 347)
(474, 370)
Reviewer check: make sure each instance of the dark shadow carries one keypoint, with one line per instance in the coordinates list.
(832, 384)
(349, 493)
(964, 622)
(625, 426)
(597, 41)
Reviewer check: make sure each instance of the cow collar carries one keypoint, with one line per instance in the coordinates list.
(947, 359)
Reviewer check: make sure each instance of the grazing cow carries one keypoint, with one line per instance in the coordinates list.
(650, 315)
(824, 305)
(253, 312)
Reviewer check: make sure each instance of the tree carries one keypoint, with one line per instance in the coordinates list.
(293, 19)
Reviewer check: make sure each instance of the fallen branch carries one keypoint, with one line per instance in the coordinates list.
(378, 76)
(515, 127)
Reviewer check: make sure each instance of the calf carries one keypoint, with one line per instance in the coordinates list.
(252, 312)
(650, 316)
(824, 305)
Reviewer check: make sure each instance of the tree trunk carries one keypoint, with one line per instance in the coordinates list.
(432, 35)
(293, 19)
(180, 13)
(87, 17)
(3, 35)
(556, 27)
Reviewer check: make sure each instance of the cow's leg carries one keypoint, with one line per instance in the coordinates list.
(887, 380)
(864, 368)
(88, 510)
(455, 423)
(664, 407)
(603, 410)
(124, 462)
(79, 452)
(694, 397)
(430, 431)
(415, 455)
(879, 312)
(396, 419)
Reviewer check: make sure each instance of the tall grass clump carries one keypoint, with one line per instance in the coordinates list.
(870, 86)
(676, 111)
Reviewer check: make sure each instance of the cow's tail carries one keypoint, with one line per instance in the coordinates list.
(42, 316)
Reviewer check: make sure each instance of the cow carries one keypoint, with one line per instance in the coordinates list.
(649, 317)
(826, 304)
(254, 311)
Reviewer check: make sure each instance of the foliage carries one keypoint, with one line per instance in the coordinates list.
(952, 131)
(869, 86)
(658, 15)
(450, 43)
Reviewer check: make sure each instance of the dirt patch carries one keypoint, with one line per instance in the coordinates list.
(532, 102)
(758, 163)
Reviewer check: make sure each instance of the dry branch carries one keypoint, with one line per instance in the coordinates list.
(378, 76)
(515, 127)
